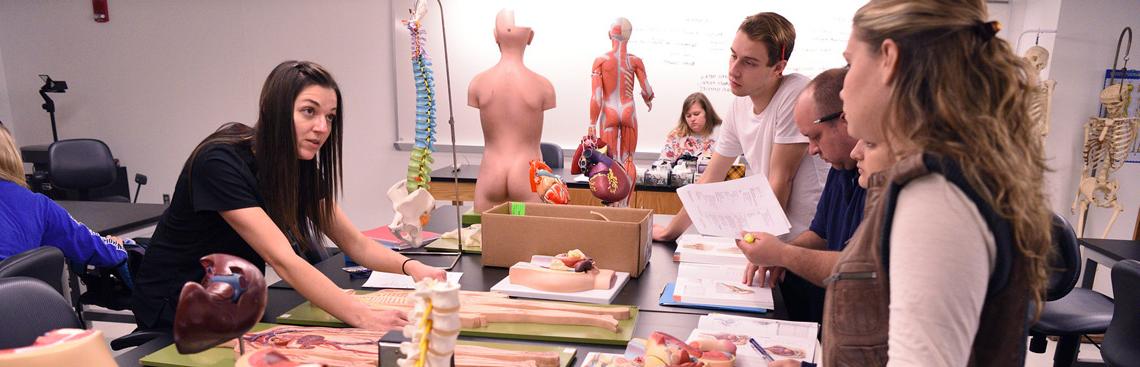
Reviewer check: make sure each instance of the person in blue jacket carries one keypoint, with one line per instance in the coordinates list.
(29, 220)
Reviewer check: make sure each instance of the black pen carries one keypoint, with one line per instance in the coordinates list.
(760, 349)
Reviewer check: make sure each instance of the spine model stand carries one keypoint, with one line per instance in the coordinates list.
(1106, 144)
(436, 326)
(410, 198)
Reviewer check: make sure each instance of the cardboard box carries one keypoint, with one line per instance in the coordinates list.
(621, 244)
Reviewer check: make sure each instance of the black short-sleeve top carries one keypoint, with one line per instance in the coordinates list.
(221, 177)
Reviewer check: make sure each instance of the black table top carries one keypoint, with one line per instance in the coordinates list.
(643, 292)
(109, 218)
(469, 172)
(1114, 249)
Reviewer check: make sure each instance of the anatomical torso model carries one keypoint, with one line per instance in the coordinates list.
(611, 97)
(511, 100)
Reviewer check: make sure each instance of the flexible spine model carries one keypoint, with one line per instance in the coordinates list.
(419, 167)
(436, 326)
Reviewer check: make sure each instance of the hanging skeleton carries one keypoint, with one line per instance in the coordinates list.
(1041, 104)
(410, 198)
(1106, 144)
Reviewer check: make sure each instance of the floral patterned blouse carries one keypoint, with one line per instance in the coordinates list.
(677, 145)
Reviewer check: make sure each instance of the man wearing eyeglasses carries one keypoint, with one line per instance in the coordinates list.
(819, 117)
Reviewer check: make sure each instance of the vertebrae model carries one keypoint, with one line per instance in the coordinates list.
(1041, 104)
(410, 198)
(1107, 141)
(611, 98)
(436, 327)
(419, 168)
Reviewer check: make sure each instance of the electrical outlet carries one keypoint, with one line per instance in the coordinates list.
(165, 199)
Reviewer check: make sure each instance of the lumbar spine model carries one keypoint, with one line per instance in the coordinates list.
(436, 326)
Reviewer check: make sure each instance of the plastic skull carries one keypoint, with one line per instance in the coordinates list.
(413, 210)
(1113, 98)
(1038, 57)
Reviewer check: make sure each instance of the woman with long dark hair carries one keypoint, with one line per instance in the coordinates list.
(269, 195)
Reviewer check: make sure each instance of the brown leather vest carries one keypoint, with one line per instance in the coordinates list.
(855, 320)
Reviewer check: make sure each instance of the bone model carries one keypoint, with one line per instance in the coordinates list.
(1041, 103)
(482, 308)
(413, 205)
(436, 325)
(1106, 144)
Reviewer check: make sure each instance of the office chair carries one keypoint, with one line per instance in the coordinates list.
(1070, 311)
(1123, 335)
(552, 155)
(29, 308)
(45, 263)
(83, 165)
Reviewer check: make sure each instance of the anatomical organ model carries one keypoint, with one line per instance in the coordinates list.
(481, 308)
(1106, 144)
(357, 347)
(1040, 104)
(410, 198)
(611, 99)
(61, 347)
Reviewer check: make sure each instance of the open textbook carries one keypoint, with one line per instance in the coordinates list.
(782, 339)
(725, 208)
(720, 285)
(695, 248)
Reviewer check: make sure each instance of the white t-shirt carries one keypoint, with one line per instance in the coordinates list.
(752, 135)
(942, 255)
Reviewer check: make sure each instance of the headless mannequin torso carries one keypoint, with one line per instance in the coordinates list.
(511, 100)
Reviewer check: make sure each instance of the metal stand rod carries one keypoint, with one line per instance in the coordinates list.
(451, 123)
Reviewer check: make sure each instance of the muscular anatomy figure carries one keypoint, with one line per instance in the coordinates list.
(611, 99)
(511, 100)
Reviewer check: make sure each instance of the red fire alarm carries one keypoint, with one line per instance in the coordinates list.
(100, 9)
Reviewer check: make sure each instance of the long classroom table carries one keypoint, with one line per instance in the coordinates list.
(643, 292)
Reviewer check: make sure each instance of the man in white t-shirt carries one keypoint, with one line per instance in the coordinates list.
(759, 125)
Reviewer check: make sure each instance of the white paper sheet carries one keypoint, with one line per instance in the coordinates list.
(400, 281)
(726, 208)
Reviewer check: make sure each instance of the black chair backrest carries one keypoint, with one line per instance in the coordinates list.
(45, 263)
(1066, 262)
(81, 164)
(552, 155)
(29, 308)
(1122, 339)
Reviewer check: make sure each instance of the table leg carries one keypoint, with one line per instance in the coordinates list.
(1090, 272)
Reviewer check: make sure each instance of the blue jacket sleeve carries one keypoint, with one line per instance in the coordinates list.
(78, 243)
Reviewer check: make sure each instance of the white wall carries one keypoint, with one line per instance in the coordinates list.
(1086, 42)
(5, 106)
(164, 74)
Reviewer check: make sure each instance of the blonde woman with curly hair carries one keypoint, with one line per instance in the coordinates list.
(949, 264)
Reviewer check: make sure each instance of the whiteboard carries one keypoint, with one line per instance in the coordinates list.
(684, 44)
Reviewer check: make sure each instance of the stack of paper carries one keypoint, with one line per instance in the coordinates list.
(696, 248)
(721, 285)
(399, 281)
(726, 208)
(782, 339)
